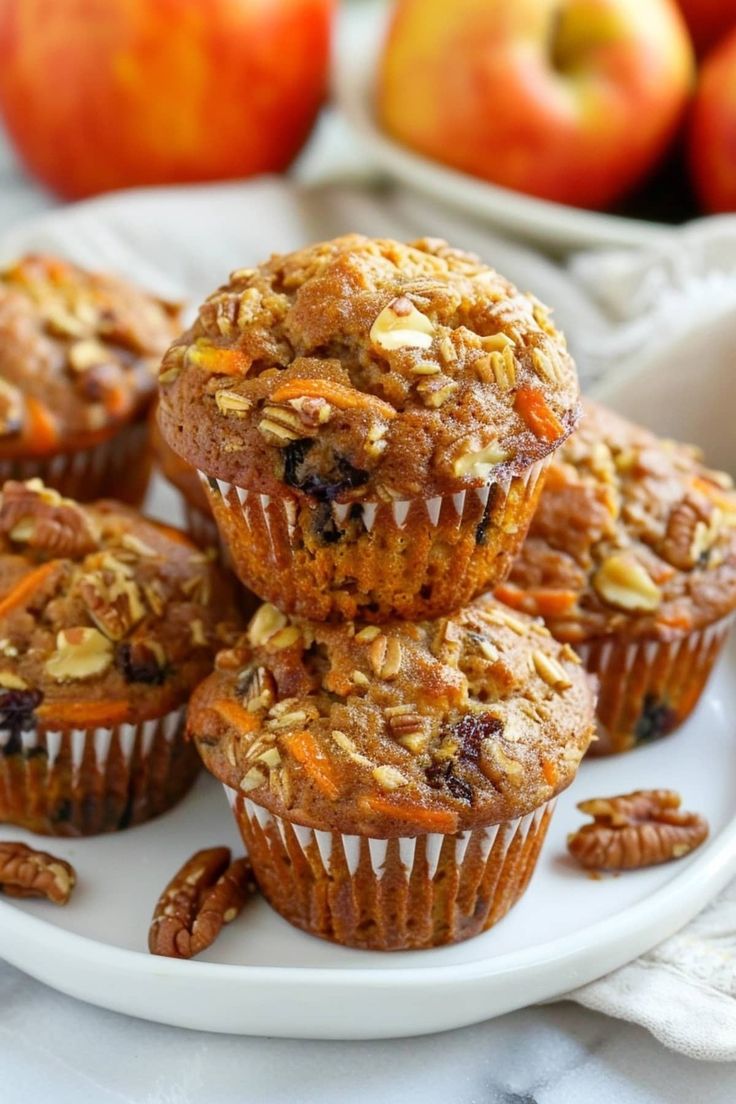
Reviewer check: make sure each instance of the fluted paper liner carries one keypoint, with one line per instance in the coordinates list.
(407, 557)
(117, 467)
(649, 687)
(390, 894)
(84, 781)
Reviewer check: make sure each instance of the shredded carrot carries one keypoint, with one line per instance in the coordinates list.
(84, 714)
(724, 499)
(116, 402)
(539, 601)
(320, 769)
(220, 361)
(235, 715)
(677, 620)
(346, 398)
(533, 408)
(510, 595)
(27, 586)
(549, 770)
(40, 427)
(434, 820)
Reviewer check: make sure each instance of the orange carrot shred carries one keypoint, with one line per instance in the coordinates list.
(84, 714)
(40, 428)
(510, 595)
(549, 770)
(434, 820)
(235, 715)
(346, 398)
(533, 408)
(26, 587)
(307, 751)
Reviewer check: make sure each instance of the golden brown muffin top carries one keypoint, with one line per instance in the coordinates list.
(104, 616)
(366, 368)
(79, 354)
(408, 728)
(633, 535)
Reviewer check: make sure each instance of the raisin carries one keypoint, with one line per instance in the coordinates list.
(657, 719)
(18, 710)
(441, 776)
(135, 664)
(481, 532)
(460, 789)
(323, 485)
(470, 731)
(436, 775)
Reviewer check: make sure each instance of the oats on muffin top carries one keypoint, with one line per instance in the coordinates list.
(363, 368)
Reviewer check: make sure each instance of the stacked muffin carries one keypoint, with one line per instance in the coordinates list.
(372, 423)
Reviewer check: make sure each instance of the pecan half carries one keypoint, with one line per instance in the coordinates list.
(28, 873)
(634, 830)
(33, 514)
(206, 893)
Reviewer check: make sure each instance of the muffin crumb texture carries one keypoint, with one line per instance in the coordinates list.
(396, 730)
(362, 369)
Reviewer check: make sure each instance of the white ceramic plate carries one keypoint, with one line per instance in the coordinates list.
(553, 225)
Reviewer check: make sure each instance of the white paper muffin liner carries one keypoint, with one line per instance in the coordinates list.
(640, 675)
(350, 888)
(97, 777)
(271, 508)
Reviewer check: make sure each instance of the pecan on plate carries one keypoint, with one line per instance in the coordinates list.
(206, 893)
(28, 873)
(38, 516)
(634, 830)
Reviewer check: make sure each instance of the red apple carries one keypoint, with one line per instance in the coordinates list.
(709, 21)
(712, 145)
(103, 94)
(570, 100)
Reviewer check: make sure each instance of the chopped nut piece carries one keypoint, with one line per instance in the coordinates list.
(370, 632)
(625, 583)
(435, 393)
(479, 462)
(498, 366)
(389, 778)
(10, 681)
(37, 515)
(360, 679)
(346, 744)
(206, 893)
(385, 656)
(87, 354)
(425, 368)
(284, 638)
(635, 830)
(401, 326)
(545, 367)
(80, 653)
(313, 410)
(551, 671)
(252, 780)
(265, 624)
(28, 873)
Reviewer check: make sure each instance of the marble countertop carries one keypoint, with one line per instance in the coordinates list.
(56, 1048)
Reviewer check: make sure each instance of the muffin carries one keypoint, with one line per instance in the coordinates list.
(79, 355)
(107, 622)
(631, 558)
(393, 785)
(197, 510)
(373, 420)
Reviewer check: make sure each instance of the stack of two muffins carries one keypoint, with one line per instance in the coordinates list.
(372, 422)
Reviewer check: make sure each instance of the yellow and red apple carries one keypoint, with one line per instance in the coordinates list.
(709, 21)
(712, 142)
(104, 94)
(570, 100)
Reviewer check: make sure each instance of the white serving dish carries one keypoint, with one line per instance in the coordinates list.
(554, 226)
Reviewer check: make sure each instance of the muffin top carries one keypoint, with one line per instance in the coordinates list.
(105, 617)
(79, 354)
(404, 729)
(632, 535)
(362, 368)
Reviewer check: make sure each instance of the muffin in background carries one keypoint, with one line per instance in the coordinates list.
(394, 784)
(107, 622)
(631, 558)
(79, 356)
(200, 522)
(373, 420)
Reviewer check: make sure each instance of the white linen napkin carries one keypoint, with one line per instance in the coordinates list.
(667, 313)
